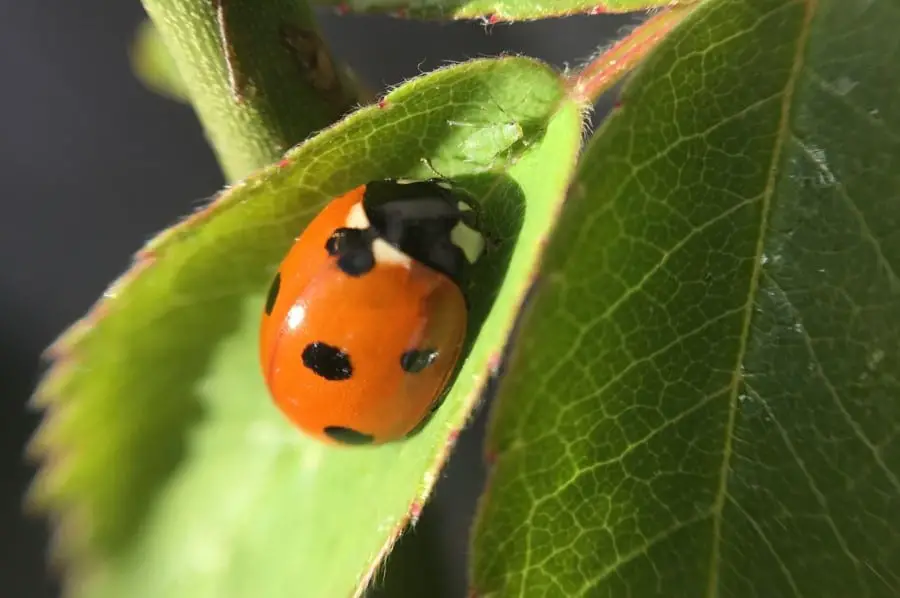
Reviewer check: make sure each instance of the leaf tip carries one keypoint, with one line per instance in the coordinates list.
(66, 342)
(50, 388)
(49, 483)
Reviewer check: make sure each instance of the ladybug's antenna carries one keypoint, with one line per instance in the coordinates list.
(427, 162)
(473, 205)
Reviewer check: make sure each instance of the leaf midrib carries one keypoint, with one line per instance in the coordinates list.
(768, 192)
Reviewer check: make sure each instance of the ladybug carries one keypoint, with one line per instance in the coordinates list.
(365, 319)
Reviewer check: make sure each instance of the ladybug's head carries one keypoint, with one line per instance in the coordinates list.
(427, 221)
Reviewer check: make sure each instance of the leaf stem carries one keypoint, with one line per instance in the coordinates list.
(258, 74)
(607, 68)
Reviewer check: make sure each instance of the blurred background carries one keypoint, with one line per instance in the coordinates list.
(92, 165)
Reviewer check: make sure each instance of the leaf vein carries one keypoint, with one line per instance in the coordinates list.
(575, 345)
(633, 554)
(868, 234)
(829, 89)
(836, 397)
(782, 134)
(647, 358)
(814, 488)
(670, 422)
(765, 539)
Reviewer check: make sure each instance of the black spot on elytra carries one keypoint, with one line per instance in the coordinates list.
(416, 360)
(347, 435)
(327, 362)
(273, 293)
(353, 249)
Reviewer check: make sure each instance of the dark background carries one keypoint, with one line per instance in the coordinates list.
(92, 165)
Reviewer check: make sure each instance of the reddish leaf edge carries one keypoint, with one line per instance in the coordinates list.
(609, 66)
(403, 9)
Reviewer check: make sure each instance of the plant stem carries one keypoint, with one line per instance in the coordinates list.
(606, 69)
(258, 74)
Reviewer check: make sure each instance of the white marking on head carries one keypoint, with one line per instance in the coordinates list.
(469, 240)
(385, 253)
(357, 218)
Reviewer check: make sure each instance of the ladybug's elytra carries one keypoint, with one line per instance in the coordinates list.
(365, 319)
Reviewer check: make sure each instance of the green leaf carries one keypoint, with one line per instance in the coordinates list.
(153, 64)
(172, 472)
(494, 11)
(704, 400)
